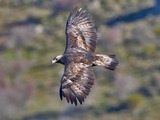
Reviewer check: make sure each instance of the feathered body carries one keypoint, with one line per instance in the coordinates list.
(79, 57)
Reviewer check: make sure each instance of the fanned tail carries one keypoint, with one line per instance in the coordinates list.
(108, 61)
(113, 62)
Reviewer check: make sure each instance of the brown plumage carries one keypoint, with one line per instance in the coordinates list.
(79, 57)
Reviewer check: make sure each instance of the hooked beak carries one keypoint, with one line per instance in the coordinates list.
(53, 61)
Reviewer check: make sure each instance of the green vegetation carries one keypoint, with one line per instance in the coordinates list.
(32, 33)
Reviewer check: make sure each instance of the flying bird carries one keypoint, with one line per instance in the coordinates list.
(79, 57)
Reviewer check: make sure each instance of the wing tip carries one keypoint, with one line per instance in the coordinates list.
(76, 93)
(61, 94)
(76, 11)
(73, 99)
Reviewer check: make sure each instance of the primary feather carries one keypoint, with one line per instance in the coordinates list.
(80, 31)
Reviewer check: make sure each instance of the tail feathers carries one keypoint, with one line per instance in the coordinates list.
(112, 62)
(108, 61)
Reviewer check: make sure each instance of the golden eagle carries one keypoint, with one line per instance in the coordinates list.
(79, 57)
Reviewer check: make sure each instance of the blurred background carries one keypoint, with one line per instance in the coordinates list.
(32, 32)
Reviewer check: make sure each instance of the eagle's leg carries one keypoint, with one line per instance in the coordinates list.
(108, 61)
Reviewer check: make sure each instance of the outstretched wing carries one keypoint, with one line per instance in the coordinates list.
(80, 31)
(76, 83)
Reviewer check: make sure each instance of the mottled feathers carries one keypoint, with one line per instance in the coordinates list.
(79, 57)
(80, 31)
(76, 84)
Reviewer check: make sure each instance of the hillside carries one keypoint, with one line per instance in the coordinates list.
(33, 32)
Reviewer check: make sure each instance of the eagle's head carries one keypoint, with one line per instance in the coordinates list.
(57, 59)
